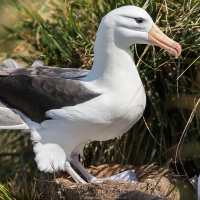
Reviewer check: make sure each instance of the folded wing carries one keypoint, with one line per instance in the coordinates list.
(33, 91)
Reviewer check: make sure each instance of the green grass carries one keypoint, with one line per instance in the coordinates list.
(64, 31)
(4, 193)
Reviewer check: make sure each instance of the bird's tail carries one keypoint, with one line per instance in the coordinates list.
(8, 118)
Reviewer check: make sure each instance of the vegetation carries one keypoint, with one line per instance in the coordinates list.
(64, 31)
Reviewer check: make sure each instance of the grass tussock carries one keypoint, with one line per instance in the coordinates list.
(64, 31)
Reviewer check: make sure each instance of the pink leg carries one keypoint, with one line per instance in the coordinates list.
(79, 166)
(128, 176)
(73, 174)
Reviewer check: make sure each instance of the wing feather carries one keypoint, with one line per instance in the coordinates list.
(9, 119)
(36, 90)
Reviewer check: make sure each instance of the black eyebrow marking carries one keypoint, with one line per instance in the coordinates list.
(139, 20)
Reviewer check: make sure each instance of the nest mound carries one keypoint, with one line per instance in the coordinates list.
(154, 183)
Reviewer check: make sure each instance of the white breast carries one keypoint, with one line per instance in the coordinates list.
(125, 112)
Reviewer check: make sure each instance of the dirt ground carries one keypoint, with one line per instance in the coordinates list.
(153, 180)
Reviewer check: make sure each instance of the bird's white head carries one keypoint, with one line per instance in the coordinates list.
(130, 25)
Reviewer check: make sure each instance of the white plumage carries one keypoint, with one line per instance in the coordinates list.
(121, 97)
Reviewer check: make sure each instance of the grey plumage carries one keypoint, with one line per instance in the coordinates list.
(9, 118)
(36, 90)
(9, 63)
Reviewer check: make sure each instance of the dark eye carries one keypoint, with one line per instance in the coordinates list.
(139, 20)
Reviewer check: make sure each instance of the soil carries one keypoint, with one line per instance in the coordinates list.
(154, 184)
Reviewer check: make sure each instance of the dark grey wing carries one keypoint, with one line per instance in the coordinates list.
(68, 73)
(33, 95)
(11, 67)
(36, 90)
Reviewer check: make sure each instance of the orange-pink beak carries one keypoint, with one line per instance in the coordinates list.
(158, 38)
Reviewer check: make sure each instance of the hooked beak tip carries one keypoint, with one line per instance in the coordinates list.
(158, 38)
(178, 48)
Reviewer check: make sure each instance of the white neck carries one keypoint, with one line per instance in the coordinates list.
(113, 66)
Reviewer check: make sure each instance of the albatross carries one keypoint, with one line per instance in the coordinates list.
(65, 108)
